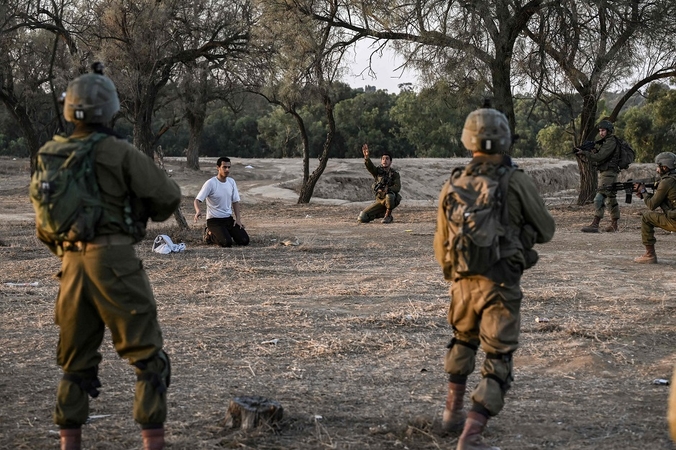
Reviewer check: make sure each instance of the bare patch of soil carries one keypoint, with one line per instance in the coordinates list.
(358, 314)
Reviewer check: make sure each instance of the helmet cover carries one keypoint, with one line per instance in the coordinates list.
(606, 125)
(486, 130)
(666, 159)
(91, 98)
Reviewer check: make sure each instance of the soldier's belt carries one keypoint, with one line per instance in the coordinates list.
(105, 240)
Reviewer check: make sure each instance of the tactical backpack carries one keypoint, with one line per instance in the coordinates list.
(627, 154)
(64, 190)
(477, 216)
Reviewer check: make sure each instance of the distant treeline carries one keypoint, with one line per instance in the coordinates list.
(409, 124)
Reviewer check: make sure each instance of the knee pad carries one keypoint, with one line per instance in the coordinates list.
(363, 217)
(599, 200)
(460, 359)
(499, 367)
(87, 380)
(156, 370)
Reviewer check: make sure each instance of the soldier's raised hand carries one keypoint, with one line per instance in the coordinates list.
(365, 150)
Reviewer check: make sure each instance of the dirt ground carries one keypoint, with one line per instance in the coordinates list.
(347, 329)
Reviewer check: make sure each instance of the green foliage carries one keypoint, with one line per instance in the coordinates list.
(432, 120)
(554, 140)
(13, 147)
(650, 127)
(366, 118)
(279, 134)
(229, 134)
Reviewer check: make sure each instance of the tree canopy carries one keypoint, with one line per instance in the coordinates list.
(262, 78)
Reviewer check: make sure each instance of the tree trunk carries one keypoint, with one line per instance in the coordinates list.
(588, 178)
(144, 138)
(502, 86)
(588, 182)
(178, 215)
(250, 412)
(196, 98)
(196, 122)
(308, 186)
(22, 118)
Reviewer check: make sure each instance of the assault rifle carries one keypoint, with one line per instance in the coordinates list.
(382, 184)
(586, 146)
(628, 187)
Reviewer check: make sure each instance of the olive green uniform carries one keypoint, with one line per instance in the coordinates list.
(102, 283)
(383, 202)
(606, 157)
(485, 310)
(664, 197)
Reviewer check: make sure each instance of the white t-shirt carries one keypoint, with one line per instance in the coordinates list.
(219, 196)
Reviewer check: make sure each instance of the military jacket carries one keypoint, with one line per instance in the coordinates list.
(606, 156)
(664, 195)
(379, 173)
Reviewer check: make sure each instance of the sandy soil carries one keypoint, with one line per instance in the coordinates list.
(347, 329)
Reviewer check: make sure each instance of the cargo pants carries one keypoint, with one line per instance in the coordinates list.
(482, 313)
(107, 286)
(652, 219)
(377, 209)
(606, 199)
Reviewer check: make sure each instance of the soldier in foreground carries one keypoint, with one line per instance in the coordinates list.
(102, 281)
(664, 197)
(483, 252)
(386, 187)
(606, 156)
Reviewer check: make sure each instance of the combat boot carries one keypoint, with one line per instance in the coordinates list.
(71, 438)
(592, 227)
(650, 257)
(613, 227)
(454, 417)
(388, 216)
(471, 435)
(153, 438)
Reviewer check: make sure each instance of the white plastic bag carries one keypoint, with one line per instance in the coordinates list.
(164, 245)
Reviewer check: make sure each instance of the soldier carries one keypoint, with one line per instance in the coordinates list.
(663, 197)
(224, 220)
(606, 156)
(102, 281)
(485, 306)
(386, 187)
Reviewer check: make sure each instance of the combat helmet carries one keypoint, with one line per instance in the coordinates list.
(666, 159)
(486, 130)
(606, 125)
(91, 98)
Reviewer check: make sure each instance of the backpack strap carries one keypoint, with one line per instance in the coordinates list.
(504, 186)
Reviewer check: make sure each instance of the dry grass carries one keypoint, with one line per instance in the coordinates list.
(348, 331)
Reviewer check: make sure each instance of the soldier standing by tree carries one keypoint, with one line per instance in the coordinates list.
(483, 252)
(386, 186)
(606, 156)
